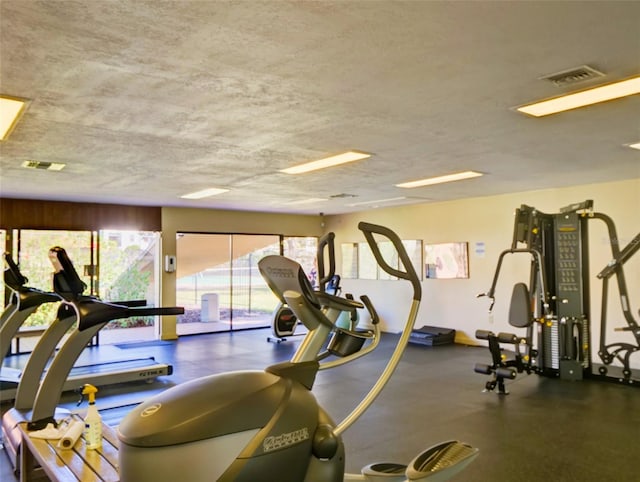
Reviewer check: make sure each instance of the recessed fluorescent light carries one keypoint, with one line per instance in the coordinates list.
(307, 201)
(635, 146)
(583, 98)
(377, 201)
(458, 176)
(11, 108)
(326, 162)
(204, 193)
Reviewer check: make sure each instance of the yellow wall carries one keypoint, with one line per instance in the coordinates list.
(447, 303)
(176, 220)
(489, 220)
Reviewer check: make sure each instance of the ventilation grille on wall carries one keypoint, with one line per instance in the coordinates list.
(573, 76)
(47, 166)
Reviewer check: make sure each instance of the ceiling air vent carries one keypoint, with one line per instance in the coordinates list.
(342, 196)
(47, 166)
(573, 76)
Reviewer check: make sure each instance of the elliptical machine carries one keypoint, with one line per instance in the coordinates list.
(267, 425)
(285, 322)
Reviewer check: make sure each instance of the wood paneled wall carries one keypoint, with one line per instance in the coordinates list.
(36, 214)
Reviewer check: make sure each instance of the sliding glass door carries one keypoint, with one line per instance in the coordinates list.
(252, 302)
(219, 284)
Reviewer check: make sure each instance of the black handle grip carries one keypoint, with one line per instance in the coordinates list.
(409, 272)
(159, 311)
(130, 303)
(375, 319)
(327, 241)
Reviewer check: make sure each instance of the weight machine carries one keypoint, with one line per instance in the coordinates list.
(555, 306)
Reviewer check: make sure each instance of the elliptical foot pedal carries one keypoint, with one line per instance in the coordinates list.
(441, 461)
(385, 472)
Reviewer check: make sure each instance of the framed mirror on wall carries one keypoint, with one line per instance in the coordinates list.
(358, 261)
(349, 269)
(446, 260)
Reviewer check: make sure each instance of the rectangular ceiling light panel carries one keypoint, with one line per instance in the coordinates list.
(458, 176)
(214, 191)
(343, 158)
(583, 98)
(311, 200)
(11, 108)
(378, 201)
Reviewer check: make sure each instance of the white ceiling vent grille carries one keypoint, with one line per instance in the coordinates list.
(46, 166)
(573, 76)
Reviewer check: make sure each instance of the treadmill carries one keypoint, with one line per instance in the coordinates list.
(36, 393)
(23, 302)
(22, 385)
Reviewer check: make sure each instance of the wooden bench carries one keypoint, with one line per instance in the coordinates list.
(42, 459)
(35, 331)
(26, 332)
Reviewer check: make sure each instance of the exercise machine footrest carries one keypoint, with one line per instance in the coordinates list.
(508, 338)
(483, 368)
(483, 334)
(506, 372)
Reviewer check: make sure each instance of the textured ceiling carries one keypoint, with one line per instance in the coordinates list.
(146, 100)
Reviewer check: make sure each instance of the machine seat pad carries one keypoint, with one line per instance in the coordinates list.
(520, 314)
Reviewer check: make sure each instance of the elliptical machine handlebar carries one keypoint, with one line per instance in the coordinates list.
(326, 242)
(409, 272)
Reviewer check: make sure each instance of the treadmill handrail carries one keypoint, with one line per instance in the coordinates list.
(92, 312)
(94, 315)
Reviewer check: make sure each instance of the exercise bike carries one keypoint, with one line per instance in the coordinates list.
(267, 425)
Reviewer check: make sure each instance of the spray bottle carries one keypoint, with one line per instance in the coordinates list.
(92, 421)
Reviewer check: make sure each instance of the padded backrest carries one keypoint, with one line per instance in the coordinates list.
(520, 314)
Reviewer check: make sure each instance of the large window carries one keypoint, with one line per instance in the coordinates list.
(115, 265)
(219, 284)
(30, 251)
(129, 270)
